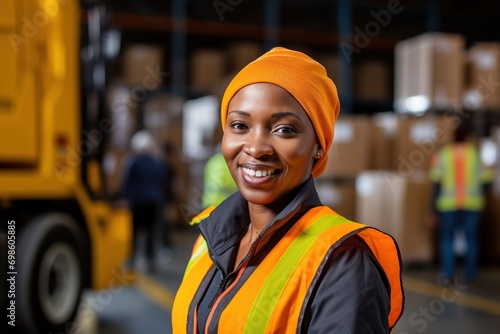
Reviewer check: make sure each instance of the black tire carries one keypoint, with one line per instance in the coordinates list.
(51, 258)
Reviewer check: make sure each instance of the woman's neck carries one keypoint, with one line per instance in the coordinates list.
(260, 216)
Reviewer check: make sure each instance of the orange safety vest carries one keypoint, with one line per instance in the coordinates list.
(459, 170)
(272, 298)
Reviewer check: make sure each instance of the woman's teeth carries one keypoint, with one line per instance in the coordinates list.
(258, 173)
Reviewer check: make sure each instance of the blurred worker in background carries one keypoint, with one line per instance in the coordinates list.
(460, 183)
(218, 182)
(144, 187)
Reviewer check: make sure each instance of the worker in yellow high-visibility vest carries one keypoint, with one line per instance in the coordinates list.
(217, 181)
(460, 182)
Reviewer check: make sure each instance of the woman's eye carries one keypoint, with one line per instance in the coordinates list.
(286, 130)
(238, 126)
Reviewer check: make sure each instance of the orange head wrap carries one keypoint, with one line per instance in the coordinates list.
(305, 79)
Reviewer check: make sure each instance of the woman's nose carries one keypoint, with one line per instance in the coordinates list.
(258, 144)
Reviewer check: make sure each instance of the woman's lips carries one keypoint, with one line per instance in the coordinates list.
(257, 177)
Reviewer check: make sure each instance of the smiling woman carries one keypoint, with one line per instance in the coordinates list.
(269, 144)
(271, 258)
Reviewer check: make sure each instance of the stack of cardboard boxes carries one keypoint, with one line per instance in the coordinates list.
(389, 154)
(490, 227)
(349, 155)
(372, 80)
(162, 117)
(377, 174)
(142, 66)
(211, 69)
(434, 71)
(208, 68)
(429, 73)
(398, 205)
(483, 77)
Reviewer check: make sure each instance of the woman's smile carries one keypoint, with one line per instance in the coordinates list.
(257, 176)
(258, 173)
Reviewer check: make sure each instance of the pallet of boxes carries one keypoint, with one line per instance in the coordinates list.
(125, 95)
(385, 158)
(482, 96)
(377, 175)
(491, 222)
(137, 99)
(395, 196)
(349, 156)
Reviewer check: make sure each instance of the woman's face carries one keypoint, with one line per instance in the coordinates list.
(269, 143)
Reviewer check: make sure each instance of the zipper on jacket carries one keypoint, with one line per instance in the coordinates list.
(217, 300)
(219, 289)
(223, 278)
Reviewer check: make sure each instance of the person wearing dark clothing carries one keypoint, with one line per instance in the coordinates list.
(144, 191)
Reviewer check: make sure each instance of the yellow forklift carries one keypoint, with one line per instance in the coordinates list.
(59, 231)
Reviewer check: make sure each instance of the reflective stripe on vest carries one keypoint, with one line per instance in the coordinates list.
(272, 298)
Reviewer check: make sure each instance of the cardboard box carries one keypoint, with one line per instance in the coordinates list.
(350, 152)
(398, 206)
(384, 133)
(338, 195)
(123, 109)
(495, 136)
(331, 63)
(142, 65)
(372, 80)
(371, 187)
(201, 118)
(489, 230)
(489, 151)
(208, 68)
(241, 54)
(429, 72)
(189, 189)
(483, 60)
(162, 117)
(418, 138)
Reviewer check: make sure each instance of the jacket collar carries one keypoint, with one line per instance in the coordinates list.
(227, 224)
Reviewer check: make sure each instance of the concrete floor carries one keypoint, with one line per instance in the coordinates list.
(431, 308)
(458, 308)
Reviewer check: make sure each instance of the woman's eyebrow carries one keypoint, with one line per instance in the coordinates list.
(239, 112)
(279, 115)
(275, 117)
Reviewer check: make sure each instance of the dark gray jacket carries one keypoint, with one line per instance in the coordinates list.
(352, 296)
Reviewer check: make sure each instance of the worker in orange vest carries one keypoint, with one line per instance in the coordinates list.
(460, 182)
(271, 258)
